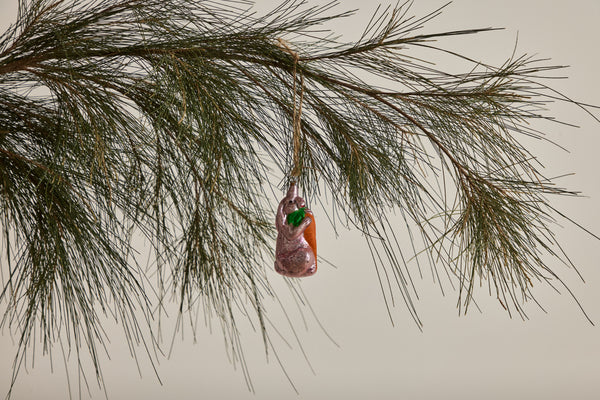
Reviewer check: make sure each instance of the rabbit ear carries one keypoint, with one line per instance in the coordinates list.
(292, 191)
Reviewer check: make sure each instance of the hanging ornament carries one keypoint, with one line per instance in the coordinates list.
(296, 249)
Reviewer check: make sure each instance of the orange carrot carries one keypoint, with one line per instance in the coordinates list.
(310, 234)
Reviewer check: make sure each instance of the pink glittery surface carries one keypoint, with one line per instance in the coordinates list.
(294, 256)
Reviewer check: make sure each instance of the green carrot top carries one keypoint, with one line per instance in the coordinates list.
(294, 218)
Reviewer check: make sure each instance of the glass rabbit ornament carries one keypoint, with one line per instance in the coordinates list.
(296, 248)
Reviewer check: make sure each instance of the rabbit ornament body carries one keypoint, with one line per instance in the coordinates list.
(296, 248)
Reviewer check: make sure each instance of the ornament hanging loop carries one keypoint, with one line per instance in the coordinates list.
(297, 111)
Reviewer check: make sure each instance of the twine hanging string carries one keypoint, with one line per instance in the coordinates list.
(297, 111)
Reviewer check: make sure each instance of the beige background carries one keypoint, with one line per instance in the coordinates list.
(481, 356)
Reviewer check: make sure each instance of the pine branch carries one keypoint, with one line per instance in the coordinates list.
(173, 120)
